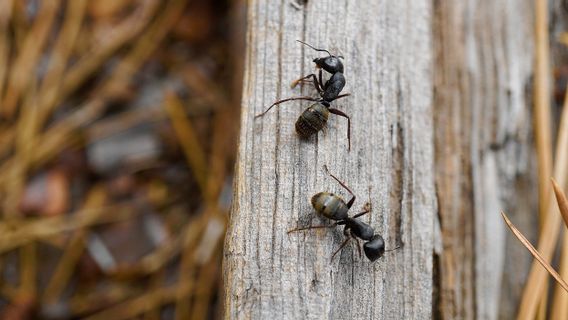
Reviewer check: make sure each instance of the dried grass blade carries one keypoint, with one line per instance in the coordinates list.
(188, 139)
(122, 35)
(5, 16)
(559, 309)
(542, 124)
(46, 227)
(75, 247)
(562, 201)
(59, 57)
(63, 134)
(142, 303)
(534, 252)
(29, 56)
(535, 286)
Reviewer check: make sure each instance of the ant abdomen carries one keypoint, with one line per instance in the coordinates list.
(312, 120)
(330, 206)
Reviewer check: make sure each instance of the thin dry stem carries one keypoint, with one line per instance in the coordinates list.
(13, 235)
(535, 253)
(121, 35)
(561, 199)
(188, 140)
(74, 250)
(64, 134)
(560, 301)
(28, 58)
(536, 284)
(143, 303)
(5, 16)
(542, 118)
(49, 90)
(47, 59)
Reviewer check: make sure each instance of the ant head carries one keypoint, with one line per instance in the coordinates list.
(331, 64)
(375, 248)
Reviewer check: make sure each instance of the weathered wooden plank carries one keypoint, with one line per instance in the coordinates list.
(388, 57)
(484, 154)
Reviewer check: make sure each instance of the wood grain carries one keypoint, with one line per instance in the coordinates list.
(484, 154)
(388, 58)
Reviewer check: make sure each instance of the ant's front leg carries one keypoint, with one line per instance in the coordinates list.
(314, 80)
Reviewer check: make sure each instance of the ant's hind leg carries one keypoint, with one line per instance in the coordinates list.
(352, 200)
(341, 114)
(340, 247)
(311, 227)
(284, 100)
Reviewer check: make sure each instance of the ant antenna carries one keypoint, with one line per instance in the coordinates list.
(302, 42)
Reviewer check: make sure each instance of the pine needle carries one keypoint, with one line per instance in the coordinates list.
(534, 252)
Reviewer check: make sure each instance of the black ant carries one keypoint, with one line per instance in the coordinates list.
(314, 118)
(333, 207)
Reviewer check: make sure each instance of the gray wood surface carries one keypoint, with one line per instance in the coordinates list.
(484, 154)
(270, 274)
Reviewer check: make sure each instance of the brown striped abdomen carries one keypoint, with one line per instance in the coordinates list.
(312, 120)
(330, 206)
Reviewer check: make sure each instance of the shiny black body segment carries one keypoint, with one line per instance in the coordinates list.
(331, 64)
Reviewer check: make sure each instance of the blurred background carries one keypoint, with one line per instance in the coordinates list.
(118, 134)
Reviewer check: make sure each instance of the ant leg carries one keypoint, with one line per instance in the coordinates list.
(367, 209)
(340, 247)
(311, 227)
(358, 246)
(339, 113)
(361, 213)
(285, 100)
(324, 85)
(350, 203)
(314, 80)
(342, 96)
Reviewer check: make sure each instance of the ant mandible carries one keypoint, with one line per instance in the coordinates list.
(334, 208)
(315, 117)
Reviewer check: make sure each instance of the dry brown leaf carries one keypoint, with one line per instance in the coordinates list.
(535, 253)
